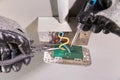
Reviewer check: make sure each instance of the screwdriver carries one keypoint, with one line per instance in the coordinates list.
(79, 30)
(88, 6)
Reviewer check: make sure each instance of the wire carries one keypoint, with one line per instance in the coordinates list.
(67, 49)
(60, 35)
(67, 42)
(51, 49)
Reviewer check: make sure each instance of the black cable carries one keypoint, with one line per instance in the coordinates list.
(16, 59)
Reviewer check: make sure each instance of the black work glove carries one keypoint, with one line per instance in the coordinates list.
(105, 24)
(98, 23)
(102, 5)
(14, 46)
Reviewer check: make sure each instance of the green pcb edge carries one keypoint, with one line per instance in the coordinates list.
(76, 53)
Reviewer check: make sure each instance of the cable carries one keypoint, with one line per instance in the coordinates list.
(60, 35)
(51, 49)
(67, 49)
(64, 43)
(16, 59)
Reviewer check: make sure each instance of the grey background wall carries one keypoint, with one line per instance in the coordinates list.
(105, 49)
(25, 11)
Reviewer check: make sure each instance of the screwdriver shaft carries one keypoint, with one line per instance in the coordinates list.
(79, 30)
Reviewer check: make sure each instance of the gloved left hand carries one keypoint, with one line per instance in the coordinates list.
(15, 48)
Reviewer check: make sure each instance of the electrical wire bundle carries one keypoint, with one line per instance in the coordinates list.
(63, 46)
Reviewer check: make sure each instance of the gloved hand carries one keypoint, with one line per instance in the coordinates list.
(102, 5)
(98, 23)
(105, 24)
(15, 48)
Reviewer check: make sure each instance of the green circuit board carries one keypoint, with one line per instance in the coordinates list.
(76, 53)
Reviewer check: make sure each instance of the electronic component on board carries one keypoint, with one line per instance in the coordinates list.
(78, 56)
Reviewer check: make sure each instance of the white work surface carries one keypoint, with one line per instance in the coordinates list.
(105, 53)
(104, 49)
